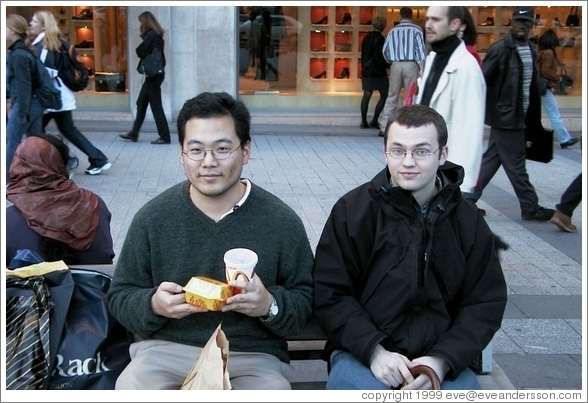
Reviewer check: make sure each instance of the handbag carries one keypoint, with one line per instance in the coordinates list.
(153, 64)
(411, 94)
(565, 82)
(110, 82)
(543, 85)
(539, 144)
(573, 19)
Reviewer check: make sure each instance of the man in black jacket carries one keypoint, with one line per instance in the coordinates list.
(513, 102)
(406, 271)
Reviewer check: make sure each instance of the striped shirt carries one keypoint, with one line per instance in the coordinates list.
(527, 59)
(405, 42)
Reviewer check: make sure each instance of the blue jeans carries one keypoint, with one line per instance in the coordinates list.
(552, 110)
(15, 131)
(347, 373)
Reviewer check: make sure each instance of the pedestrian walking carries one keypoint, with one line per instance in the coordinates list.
(48, 43)
(374, 72)
(549, 65)
(453, 85)
(405, 51)
(513, 102)
(150, 94)
(26, 111)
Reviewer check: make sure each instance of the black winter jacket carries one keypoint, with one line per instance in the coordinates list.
(417, 284)
(372, 59)
(23, 79)
(503, 71)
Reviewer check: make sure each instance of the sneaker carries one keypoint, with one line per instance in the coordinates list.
(563, 222)
(542, 214)
(569, 143)
(96, 170)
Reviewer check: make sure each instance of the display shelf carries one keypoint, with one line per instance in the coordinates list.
(343, 15)
(366, 15)
(318, 68)
(341, 68)
(319, 41)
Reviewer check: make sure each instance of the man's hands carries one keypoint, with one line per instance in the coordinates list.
(393, 369)
(254, 300)
(170, 301)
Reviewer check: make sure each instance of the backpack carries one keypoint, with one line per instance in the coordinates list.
(72, 70)
(47, 94)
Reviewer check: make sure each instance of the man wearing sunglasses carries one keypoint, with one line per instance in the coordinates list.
(406, 272)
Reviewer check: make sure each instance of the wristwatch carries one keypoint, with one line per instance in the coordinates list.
(272, 311)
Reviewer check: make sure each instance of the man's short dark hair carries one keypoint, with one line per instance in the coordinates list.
(214, 105)
(418, 116)
(406, 13)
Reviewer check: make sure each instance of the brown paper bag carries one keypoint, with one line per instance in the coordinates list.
(210, 370)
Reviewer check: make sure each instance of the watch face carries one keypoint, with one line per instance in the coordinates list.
(274, 308)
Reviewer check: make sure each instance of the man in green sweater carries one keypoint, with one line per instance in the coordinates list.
(185, 232)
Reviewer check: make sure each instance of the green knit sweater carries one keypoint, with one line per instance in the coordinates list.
(170, 239)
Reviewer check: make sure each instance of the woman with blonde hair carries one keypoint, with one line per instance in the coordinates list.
(26, 110)
(49, 45)
(150, 94)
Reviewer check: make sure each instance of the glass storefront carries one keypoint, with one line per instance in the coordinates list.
(315, 52)
(99, 34)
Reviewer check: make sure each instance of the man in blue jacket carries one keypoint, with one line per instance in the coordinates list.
(406, 271)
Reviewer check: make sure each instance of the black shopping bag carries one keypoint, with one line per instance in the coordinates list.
(539, 144)
(94, 346)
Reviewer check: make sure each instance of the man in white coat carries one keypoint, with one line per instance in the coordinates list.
(453, 84)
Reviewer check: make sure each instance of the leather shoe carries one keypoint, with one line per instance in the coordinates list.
(563, 222)
(542, 214)
(364, 125)
(381, 133)
(569, 143)
(129, 136)
(160, 141)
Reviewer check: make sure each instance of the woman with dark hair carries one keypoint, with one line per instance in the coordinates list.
(50, 214)
(468, 34)
(373, 72)
(548, 65)
(26, 111)
(150, 94)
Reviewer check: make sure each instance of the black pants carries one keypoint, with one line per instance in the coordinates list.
(151, 95)
(571, 197)
(507, 148)
(64, 122)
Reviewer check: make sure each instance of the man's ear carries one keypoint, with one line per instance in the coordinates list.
(455, 25)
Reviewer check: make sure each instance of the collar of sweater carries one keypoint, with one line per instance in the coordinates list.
(446, 46)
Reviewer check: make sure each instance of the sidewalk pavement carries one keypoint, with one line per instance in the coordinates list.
(540, 343)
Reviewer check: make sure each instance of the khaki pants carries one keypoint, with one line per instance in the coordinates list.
(158, 365)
